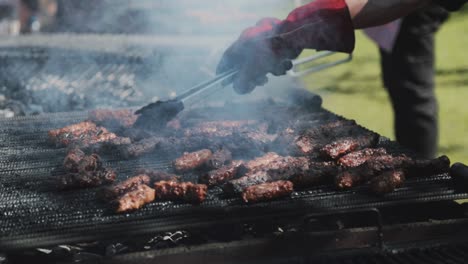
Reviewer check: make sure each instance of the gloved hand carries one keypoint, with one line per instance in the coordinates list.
(271, 45)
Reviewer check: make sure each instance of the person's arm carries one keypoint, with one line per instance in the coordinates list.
(269, 46)
(370, 13)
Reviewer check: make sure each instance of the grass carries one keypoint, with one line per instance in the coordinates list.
(355, 90)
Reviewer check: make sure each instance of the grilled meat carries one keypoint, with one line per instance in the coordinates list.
(316, 174)
(140, 148)
(219, 159)
(261, 162)
(117, 119)
(224, 128)
(193, 160)
(357, 158)
(73, 159)
(239, 185)
(221, 175)
(272, 167)
(347, 145)
(156, 175)
(302, 140)
(387, 182)
(90, 163)
(134, 199)
(421, 168)
(339, 148)
(85, 179)
(267, 191)
(186, 191)
(116, 190)
(376, 165)
(307, 141)
(331, 129)
(84, 171)
(84, 134)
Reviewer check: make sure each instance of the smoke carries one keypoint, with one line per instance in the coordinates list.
(180, 43)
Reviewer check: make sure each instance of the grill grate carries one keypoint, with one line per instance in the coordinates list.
(33, 214)
(59, 79)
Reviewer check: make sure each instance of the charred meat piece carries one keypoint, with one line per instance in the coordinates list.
(219, 159)
(84, 134)
(421, 168)
(369, 169)
(90, 163)
(357, 158)
(186, 191)
(260, 162)
(85, 172)
(134, 199)
(140, 148)
(193, 160)
(272, 167)
(376, 165)
(347, 145)
(156, 175)
(118, 119)
(73, 159)
(267, 191)
(221, 175)
(225, 128)
(239, 185)
(300, 139)
(387, 182)
(339, 148)
(316, 174)
(85, 179)
(116, 190)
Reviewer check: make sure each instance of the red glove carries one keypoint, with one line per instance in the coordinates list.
(270, 46)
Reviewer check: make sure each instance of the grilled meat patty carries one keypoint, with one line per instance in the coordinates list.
(140, 148)
(387, 182)
(85, 179)
(376, 165)
(267, 191)
(118, 189)
(347, 145)
(72, 159)
(219, 159)
(83, 172)
(357, 158)
(272, 167)
(193, 160)
(134, 199)
(84, 135)
(222, 175)
(186, 191)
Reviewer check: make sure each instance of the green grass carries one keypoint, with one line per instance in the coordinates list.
(355, 90)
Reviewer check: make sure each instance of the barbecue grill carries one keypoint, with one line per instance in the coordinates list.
(414, 223)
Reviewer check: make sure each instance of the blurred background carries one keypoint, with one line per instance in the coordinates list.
(66, 55)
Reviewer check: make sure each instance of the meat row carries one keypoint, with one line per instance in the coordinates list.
(236, 155)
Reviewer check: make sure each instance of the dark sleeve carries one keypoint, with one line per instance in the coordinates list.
(451, 5)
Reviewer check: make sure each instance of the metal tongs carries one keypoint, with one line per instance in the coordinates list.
(156, 115)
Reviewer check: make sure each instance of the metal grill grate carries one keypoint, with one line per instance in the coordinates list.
(59, 79)
(33, 214)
